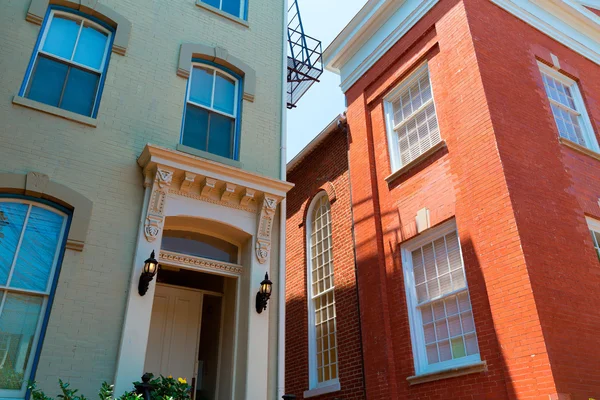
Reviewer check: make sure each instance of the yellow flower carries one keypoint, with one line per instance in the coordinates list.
(170, 376)
(182, 380)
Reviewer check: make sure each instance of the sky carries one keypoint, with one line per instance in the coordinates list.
(323, 20)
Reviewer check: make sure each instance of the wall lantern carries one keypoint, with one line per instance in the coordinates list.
(263, 295)
(150, 268)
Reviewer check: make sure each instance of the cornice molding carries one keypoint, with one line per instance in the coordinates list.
(192, 262)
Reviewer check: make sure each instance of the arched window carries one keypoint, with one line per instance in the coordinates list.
(32, 237)
(200, 245)
(323, 358)
(68, 66)
(211, 118)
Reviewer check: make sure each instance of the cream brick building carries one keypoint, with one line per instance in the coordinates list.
(94, 172)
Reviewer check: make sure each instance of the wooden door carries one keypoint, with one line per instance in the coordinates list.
(174, 332)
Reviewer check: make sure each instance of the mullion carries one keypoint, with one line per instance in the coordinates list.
(62, 92)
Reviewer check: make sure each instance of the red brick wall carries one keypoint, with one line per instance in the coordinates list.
(326, 168)
(552, 188)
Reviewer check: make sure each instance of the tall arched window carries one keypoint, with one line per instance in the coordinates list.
(323, 357)
(31, 243)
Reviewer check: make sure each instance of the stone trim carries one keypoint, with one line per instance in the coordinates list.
(205, 154)
(448, 373)
(39, 185)
(218, 55)
(579, 148)
(194, 262)
(38, 8)
(222, 13)
(404, 169)
(59, 112)
(266, 215)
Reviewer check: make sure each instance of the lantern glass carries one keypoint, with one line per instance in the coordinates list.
(150, 265)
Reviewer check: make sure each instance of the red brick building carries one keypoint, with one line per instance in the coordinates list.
(474, 170)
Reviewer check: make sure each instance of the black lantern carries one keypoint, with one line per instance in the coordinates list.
(150, 268)
(263, 295)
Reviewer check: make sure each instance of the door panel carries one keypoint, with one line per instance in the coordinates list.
(174, 332)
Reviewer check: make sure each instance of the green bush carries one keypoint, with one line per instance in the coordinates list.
(163, 389)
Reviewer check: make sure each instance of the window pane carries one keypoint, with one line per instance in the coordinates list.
(195, 127)
(214, 3)
(224, 94)
(12, 217)
(36, 255)
(80, 91)
(18, 324)
(47, 81)
(197, 244)
(202, 85)
(61, 37)
(221, 135)
(232, 7)
(90, 48)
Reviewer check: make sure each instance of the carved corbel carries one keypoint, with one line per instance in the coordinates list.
(227, 192)
(188, 181)
(208, 186)
(265, 225)
(155, 215)
(247, 197)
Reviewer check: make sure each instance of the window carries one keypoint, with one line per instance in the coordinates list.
(568, 108)
(211, 114)
(441, 319)
(237, 8)
(595, 232)
(411, 119)
(321, 303)
(69, 64)
(31, 240)
(200, 245)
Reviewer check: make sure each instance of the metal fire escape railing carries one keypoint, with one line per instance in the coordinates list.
(304, 61)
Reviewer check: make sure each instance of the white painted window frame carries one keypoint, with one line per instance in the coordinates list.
(86, 21)
(585, 124)
(415, 320)
(392, 137)
(242, 9)
(20, 394)
(593, 225)
(316, 388)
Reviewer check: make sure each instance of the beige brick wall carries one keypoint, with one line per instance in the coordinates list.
(142, 103)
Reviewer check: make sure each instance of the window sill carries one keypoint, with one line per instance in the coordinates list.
(331, 388)
(205, 154)
(222, 13)
(448, 373)
(389, 179)
(579, 148)
(59, 112)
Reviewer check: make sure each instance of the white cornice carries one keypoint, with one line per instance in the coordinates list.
(370, 34)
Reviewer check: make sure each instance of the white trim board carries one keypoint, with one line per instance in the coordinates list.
(381, 23)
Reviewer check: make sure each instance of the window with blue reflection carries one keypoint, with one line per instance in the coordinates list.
(31, 243)
(199, 245)
(212, 111)
(237, 8)
(69, 63)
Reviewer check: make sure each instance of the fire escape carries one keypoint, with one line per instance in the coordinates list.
(304, 61)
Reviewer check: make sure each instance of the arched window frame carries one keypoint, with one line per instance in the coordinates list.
(96, 23)
(48, 294)
(330, 385)
(237, 102)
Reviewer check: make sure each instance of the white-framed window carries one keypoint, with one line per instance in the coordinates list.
(68, 66)
(412, 125)
(31, 240)
(211, 115)
(322, 343)
(568, 108)
(594, 226)
(237, 8)
(441, 318)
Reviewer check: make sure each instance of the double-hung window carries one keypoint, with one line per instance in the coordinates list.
(441, 319)
(323, 359)
(411, 119)
(237, 8)
(69, 64)
(568, 108)
(594, 226)
(31, 243)
(211, 115)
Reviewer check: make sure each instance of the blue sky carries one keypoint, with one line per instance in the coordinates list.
(323, 20)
